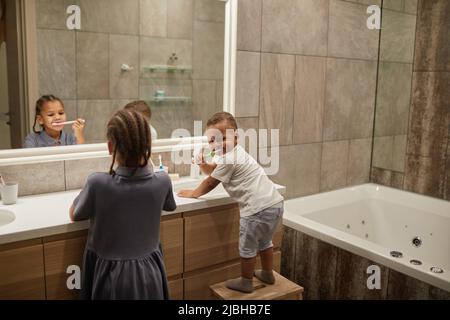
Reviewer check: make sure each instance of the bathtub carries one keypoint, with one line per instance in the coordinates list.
(372, 221)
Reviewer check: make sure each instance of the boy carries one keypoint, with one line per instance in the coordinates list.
(260, 204)
(143, 108)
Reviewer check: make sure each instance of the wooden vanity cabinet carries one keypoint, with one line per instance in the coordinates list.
(200, 248)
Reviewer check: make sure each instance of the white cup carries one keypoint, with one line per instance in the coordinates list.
(9, 192)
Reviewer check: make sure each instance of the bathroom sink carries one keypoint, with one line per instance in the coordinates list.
(6, 217)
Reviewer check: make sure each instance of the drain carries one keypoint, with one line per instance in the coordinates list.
(416, 241)
(396, 254)
(436, 270)
(416, 262)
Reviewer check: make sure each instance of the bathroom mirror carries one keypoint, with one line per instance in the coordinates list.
(395, 73)
(96, 56)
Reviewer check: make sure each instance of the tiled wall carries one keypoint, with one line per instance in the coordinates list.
(84, 67)
(422, 164)
(308, 68)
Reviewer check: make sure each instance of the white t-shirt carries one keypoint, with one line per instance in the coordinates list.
(246, 182)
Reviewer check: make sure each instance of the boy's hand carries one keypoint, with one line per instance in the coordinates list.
(186, 194)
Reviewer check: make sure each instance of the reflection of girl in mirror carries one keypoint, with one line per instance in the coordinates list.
(50, 115)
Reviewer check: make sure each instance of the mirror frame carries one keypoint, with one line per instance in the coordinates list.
(29, 95)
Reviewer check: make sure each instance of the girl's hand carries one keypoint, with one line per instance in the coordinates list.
(78, 129)
(186, 194)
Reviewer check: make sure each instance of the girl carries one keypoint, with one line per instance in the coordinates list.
(123, 257)
(51, 116)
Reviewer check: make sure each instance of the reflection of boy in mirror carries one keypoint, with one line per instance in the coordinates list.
(143, 108)
(50, 115)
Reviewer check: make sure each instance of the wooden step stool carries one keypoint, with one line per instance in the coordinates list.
(283, 289)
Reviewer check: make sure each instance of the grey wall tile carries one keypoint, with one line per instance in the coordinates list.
(92, 65)
(207, 10)
(249, 25)
(204, 97)
(277, 94)
(411, 6)
(433, 32)
(370, 2)
(247, 83)
(180, 17)
(70, 107)
(307, 169)
(153, 18)
(298, 161)
(397, 180)
(350, 99)
(110, 16)
(97, 113)
(47, 177)
(56, 63)
(430, 114)
(358, 170)
(124, 49)
(348, 34)
(167, 117)
(316, 263)
(397, 37)
(334, 165)
(52, 14)
(394, 98)
(249, 138)
(383, 151)
(393, 4)
(351, 278)
(208, 50)
(295, 26)
(219, 95)
(77, 171)
(157, 51)
(310, 84)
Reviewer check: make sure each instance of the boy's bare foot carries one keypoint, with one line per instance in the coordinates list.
(240, 284)
(265, 276)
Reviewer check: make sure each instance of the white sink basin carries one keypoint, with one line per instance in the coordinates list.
(6, 217)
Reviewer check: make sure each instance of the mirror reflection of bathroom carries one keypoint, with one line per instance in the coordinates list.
(169, 54)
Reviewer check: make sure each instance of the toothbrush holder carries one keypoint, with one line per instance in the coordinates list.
(10, 193)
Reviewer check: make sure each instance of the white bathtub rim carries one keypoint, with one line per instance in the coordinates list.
(374, 252)
(374, 191)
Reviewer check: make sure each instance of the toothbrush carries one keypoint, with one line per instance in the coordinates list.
(65, 123)
(161, 167)
(2, 182)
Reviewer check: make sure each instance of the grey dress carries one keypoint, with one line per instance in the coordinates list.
(123, 257)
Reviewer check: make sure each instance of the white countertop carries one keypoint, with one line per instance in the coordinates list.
(48, 214)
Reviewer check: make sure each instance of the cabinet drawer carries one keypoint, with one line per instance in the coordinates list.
(59, 255)
(22, 273)
(172, 244)
(176, 289)
(211, 237)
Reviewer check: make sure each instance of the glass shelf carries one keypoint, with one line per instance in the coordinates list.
(168, 69)
(170, 99)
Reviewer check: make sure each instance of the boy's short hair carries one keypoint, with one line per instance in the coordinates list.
(141, 107)
(222, 116)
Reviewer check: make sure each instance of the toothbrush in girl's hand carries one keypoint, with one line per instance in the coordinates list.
(2, 182)
(58, 124)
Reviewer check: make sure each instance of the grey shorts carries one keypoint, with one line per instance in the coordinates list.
(256, 231)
